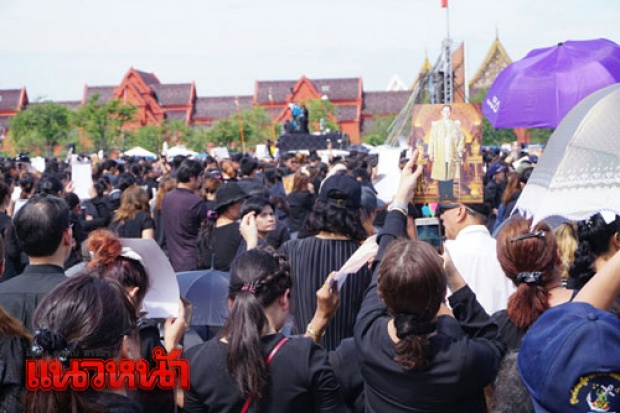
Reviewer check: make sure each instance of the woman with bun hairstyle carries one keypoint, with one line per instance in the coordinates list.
(112, 261)
(531, 259)
(251, 365)
(83, 315)
(598, 241)
(415, 354)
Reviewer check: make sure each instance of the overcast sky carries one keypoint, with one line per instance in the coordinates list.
(56, 47)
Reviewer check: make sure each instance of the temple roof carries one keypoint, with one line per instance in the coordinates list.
(496, 56)
(148, 78)
(385, 103)
(346, 112)
(105, 92)
(176, 115)
(172, 94)
(220, 106)
(424, 70)
(10, 100)
(335, 89)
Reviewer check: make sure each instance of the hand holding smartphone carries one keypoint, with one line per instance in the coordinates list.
(429, 231)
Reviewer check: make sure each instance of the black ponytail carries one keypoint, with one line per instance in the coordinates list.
(257, 278)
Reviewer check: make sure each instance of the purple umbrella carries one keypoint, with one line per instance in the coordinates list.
(540, 89)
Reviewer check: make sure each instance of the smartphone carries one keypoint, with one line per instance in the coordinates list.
(429, 230)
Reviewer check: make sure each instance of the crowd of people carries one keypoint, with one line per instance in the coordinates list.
(510, 317)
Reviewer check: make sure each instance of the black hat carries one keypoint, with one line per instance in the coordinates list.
(350, 191)
(227, 194)
(482, 208)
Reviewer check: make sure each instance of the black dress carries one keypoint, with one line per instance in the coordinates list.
(300, 379)
(133, 227)
(465, 353)
(226, 241)
(312, 260)
(12, 358)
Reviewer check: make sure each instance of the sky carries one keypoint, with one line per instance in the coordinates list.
(54, 48)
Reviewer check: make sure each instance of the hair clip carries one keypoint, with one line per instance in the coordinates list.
(211, 215)
(536, 234)
(529, 277)
(129, 253)
(249, 287)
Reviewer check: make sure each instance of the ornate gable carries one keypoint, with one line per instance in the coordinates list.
(424, 71)
(304, 90)
(137, 89)
(496, 60)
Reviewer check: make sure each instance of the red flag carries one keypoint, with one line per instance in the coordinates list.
(444, 3)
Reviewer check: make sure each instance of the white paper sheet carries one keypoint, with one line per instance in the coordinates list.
(162, 298)
(359, 258)
(82, 178)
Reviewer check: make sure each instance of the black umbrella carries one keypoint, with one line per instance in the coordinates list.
(207, 291)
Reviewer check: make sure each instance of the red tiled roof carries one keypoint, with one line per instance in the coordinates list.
(9, 99)
(148, 78)
(335, 89)
(220, 106)
(105, 92)
(338, 89)
(279, 90)
(346, 112)
(172, 94)
(384, 103)
(176, 115)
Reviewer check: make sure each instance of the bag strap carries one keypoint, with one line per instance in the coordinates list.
(250, 399)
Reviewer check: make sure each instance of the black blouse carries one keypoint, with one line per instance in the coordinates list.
(465, 353)
(300, 379)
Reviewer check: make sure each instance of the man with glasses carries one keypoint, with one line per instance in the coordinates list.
(473, 252)
(44, 233)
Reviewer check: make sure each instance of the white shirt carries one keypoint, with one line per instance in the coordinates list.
(474, 255)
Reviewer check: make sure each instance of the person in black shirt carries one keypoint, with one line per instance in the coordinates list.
(236, 372)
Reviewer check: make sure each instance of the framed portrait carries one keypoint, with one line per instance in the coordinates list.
(449, 140)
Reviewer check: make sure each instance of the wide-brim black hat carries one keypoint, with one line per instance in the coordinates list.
(228, 193)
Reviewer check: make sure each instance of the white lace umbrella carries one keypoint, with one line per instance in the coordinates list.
(578, 173)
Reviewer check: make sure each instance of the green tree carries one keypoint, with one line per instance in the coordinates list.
(379, 131)
(256, 125)
(150, 137)
(104, 122)
(490, 135)
(41, 125)
(540, 136)
(321, 109)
